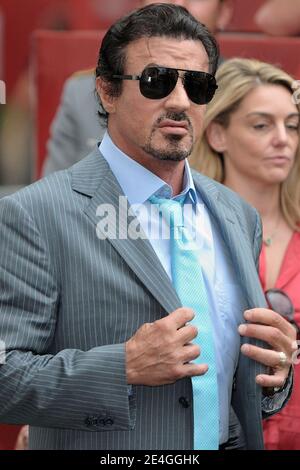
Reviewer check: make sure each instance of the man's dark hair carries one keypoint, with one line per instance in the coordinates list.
(155, 20)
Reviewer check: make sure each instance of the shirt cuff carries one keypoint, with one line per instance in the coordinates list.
(274, 403)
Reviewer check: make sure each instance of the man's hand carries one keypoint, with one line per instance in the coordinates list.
(272, 328)
(160, 352)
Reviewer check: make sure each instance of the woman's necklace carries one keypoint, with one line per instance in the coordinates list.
(269, 240)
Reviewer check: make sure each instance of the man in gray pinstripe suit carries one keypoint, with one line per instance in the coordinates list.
(99, 350)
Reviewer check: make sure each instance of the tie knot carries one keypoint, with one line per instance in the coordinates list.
(170, 209)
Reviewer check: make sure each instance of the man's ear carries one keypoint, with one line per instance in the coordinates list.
(107, 100)
(225, 14)
(216, 137)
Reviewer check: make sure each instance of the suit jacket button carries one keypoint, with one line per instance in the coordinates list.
(91, 421)
(185, 402)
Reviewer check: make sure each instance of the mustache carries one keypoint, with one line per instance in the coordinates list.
(175, 117)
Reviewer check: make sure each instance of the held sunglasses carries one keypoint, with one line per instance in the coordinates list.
(158, 82)
(280, 302)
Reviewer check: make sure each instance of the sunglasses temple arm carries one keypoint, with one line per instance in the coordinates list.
(127, 77)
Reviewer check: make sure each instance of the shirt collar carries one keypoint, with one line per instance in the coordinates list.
(138, 183)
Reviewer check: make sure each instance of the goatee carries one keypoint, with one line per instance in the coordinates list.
(172, 150)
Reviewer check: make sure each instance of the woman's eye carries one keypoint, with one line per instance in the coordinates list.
(260, 126)
(293, 127)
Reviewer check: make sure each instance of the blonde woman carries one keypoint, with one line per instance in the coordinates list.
(251, 144)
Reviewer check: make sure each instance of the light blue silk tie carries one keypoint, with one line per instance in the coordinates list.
(189, 284)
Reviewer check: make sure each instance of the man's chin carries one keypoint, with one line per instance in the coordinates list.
(173, 157)
(163, 154)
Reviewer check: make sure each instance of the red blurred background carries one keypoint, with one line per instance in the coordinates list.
(68, 39)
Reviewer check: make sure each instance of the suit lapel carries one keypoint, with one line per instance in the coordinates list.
(94, 178)
(229, 221)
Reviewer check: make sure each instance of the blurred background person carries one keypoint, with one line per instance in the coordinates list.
(77, 125)
(16, 123)
(18, 20)
(279, 17)
(76, 129)
(251, 144)
(215, 14)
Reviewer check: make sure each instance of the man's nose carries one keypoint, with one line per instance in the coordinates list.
(178, 99)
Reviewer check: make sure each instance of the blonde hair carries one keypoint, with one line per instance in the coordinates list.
(236, 78)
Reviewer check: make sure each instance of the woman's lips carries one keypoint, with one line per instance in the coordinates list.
(279, 159)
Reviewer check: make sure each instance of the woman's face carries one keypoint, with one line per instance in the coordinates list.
(262, 138)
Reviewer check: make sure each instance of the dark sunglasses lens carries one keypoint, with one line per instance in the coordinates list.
(200, 87)
(280, 303)
(157, 82)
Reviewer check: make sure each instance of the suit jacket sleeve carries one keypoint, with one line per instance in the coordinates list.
(75, 389)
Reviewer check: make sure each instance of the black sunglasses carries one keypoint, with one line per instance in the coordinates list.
(280, 302)
(158, 82)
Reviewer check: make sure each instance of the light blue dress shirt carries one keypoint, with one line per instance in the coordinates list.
(225, 297)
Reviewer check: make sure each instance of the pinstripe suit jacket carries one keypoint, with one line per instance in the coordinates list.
(69, 301)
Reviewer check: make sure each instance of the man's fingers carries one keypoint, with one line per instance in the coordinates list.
(194, 370)
(274, 337)
(187, 334)
(265, 316)
(264, 356)
(276, 380)
(190, 352)
(180, 317)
